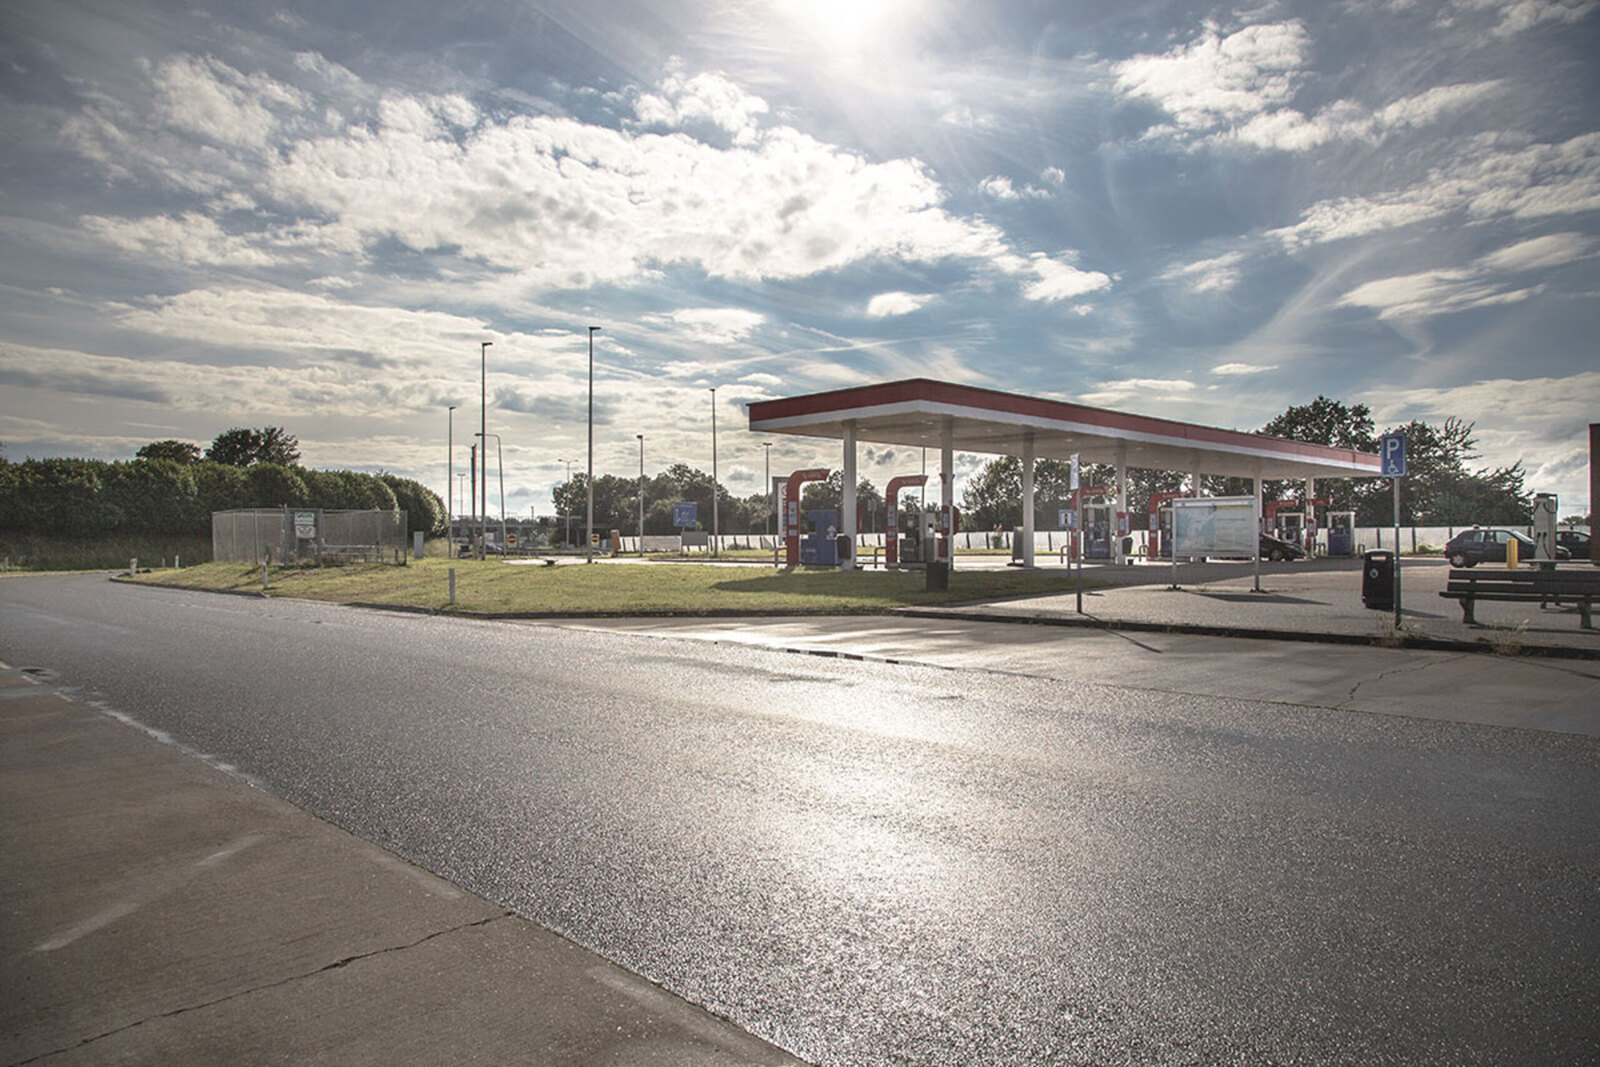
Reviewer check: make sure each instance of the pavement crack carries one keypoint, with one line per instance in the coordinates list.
(334, 966)
(1381, 675)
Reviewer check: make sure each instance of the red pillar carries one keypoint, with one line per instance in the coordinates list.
(891, 506)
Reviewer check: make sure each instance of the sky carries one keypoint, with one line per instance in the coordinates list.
(310, 215)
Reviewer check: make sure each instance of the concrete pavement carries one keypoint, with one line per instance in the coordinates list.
(159, 910)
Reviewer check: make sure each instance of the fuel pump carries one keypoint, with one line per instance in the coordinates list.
(1341, 533)
(819, 547)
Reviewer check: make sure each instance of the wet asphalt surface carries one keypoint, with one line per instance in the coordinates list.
(885, 864)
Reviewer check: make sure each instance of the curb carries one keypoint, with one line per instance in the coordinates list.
(1407, 641)
(1416, 641)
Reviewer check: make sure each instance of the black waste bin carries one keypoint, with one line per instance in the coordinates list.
(1377, 580)
(938, 576)
(841, 548)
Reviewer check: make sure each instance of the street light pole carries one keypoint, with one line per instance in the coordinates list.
(450, 471)
(640, 436)
(714, 483)
(588, 540)
(483, 428)
(767, 526)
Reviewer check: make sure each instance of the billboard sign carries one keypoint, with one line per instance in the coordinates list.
(1215, 526)
(685, 513)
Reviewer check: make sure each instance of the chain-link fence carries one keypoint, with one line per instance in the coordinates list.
(284, 535)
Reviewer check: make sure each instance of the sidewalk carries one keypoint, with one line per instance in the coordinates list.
(159, 910)
(1307, 600)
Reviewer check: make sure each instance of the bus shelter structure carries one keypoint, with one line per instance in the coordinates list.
(921, 413)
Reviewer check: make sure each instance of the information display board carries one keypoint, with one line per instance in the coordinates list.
(1215, 526)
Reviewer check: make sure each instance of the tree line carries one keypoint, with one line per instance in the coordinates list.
(1441, 487)
(172, 487)
(616, 502)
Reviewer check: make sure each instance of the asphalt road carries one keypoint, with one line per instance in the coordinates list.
(873, 863)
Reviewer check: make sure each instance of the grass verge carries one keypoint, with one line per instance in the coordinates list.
(615, 589)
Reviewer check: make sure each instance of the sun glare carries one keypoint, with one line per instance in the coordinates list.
(844, 25)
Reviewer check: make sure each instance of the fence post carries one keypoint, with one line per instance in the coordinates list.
(263, 577)
(452, 587)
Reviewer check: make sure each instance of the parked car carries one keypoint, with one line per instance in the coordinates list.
(1484, 545)
(1575, 542)
(1276, 549)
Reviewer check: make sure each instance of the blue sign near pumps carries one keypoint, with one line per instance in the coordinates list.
(684, 514)
(1392, 450)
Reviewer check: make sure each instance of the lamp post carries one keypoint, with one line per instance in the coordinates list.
(483, 426)
(771, 507)
(450, 470)
(714, 523)
(640, 436)
(500, 465)
(461, 494)
(588, 536)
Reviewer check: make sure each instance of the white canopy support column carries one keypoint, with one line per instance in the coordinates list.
(1119, 507)
(947, 488)
(847, 505)
(1027, 499)
(1311, 517)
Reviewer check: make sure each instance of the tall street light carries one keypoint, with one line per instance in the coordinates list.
(771, 507)
(483, 429)
(500, 465)
(450, 470)
(714, 483)
(588, 537)
(640, 436)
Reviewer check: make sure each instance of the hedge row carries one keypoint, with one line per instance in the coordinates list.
(88, 498)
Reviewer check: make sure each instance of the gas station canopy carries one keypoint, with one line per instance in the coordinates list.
(920, 413)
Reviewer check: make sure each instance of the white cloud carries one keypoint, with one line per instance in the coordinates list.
(717, 326)
(1519, 15)
(1053, 176)
(542, 202)
(1235, 369)
(887, 304)
(1485, 181)
(208, 98)
(1221, 80)
(1140, 391)
(704, 98)
(1061, 281)
(1538, 253)
(190, 238)
(1217, 274)
(1238, 90)
(1429, 293)
(998, 187)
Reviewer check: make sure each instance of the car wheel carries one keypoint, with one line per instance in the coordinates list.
(1459, 560)
(1276, 555)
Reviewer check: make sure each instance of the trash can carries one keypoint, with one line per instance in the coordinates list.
(1016, 545)
(938, 576)
(841, 548)
(1377, 580)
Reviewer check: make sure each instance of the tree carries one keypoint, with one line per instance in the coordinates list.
(1440, 490)
(240, 447)
(828, 493)
(183, 453)
(424, 510)
(1325, 422)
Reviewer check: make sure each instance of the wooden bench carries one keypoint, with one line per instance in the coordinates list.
(1541, 583)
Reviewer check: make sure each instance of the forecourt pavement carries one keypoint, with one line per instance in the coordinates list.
(159, 910)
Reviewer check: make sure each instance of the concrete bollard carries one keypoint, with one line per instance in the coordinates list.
(133, 565)
(263, 577)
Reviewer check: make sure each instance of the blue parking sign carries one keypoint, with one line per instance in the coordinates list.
(1392, 451)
